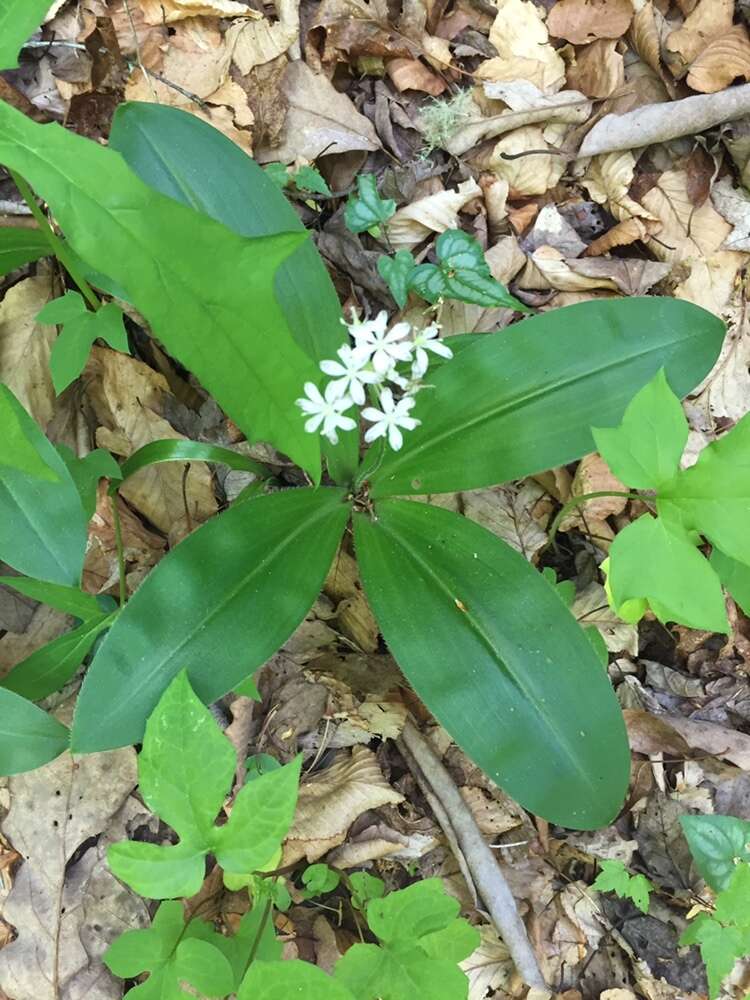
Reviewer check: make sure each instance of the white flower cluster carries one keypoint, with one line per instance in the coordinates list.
(371, 360)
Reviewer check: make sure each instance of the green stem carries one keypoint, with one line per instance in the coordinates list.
(583, 498)
(261, 927)
(58, 247)
(120, 549)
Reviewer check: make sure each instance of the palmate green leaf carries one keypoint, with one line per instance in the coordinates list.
(367, 209)
(735, 576)
(29, 737)
(42, 523)
(645, 450)
(498, 659)
(524, 399)
(19, 19)
(51, 666)
(192, 162)
(310, 179)
(318, 880)
(69, 600)
(206, 292)
(720, 948)
(220, 604)
(397, 271)
(717, 844)
(409, 914)
(285, 980)
(656, 564)
(713, 496)
(614, 877)
(81, 327)
(20, 246)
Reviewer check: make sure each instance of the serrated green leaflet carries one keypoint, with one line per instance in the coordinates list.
(29, 737)
(273, 981)
(20, 246)
(310, 179)
(614, 877)
(645, 450)
(177, 153)
(524, 399)
(367, 209)
(521, 690)
(717, 844)
(206, 292)
(206, 607)
(651, 560)
(42, 523)
(19, 19)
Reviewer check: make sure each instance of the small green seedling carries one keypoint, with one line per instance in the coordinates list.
(614, 877)
(367, 211)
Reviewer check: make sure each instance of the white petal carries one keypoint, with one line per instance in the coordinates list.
(342, 403)
(345, 423)
(332, 368)
(357, 392)
(398, 332)
(409, 423)
(402, 351)
(332, 436)
(307, 406)
(373, 415)
(313, 423)
(439, 348)
(313, 392)
(386, 401)
(374, 432)
(382, 361)
(395, 437)
(335, 390)
(421, 362)
(368, 377)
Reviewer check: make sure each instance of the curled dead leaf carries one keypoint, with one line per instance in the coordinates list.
(254, 43)
(725, 59)
(432, 214)
(25, 346)
(687, 232)
(582, 21)
(411, 74)
(709, 20)
(599, 69)
(169, 11)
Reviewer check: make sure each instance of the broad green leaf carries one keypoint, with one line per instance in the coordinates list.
(655, 561)
(717, 844)
(457, 250)
(409, 914)
(19, 19)
(171, 450)
(258, 764)
(70, 600)
(720, 948)
(454, 942)
(21, 246)
(498, 659)
(81, 327)
(192, 162)
(614, 877)
(733, 902)
(206, 292)
(428, 281)
(260, 819)
(139, 951)
(365, 887)
(278, 173)
(49, 668)
(42, 523)
(158, 872)
(396, 271)
(220, 604)
(367, 209)
(86, 473)
(204, 967)
(284, 980)
(735, 576)
(17, 451)
(29, 737)
(373, 973)
(713, 496)
(524, 399)
(186, 766)
(645, 450)
(480, 289)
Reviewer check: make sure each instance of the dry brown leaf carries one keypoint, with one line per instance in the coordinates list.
(730, 744)
(725, 59)
(644, 35)
(169, 11)
(552, 229)
(45, 625)
(532, 173)
(353, 614)
(583, 21)
(590, 607)
(547, 268)
(622, 235)
(25, 346)
(523, 48)
(357, 28)
(410, 225)
(489, 967)
(128, 397)
(592, 476)
(726, 390)
(516, 513)
(599, 69)
(254, 43)
(411, 74)
(319, 119)
(710, 19)
(608, 178)
(687, 232)
(330, 800)
(632, 276)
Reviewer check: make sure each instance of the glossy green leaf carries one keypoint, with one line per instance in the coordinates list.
(206, 292)
(29, 737)
(396, 271)
(717, 844)
(81, 327)
(318, 880)
(614, 877)
(735, 576)
(17, 450)
(42, 523)
(645, 450)
(366, 209)
(86, 473)
(713, 496)
(284, 980)
(204, 967)
(207, 606)
(69, 600)
(457, 250)
(498, 659)
(20, 246)
(50, 667)
(192, 162)
(158, 872)
(171, 450)
(19, 19)
(524, 399)
(653, 561)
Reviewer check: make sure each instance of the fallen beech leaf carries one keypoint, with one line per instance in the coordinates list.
(45, 625)
(411, 74)
(608, 179)
(547, 268)
(517, 513)
(523, 48)
(25, 346)
(653, 734)
(530, 174)
(599, 69)
(353, 614)
(489, 967)
(591, 607)
(356, 28)
(725, 59)
(644, 35)
(169, 11)
(631, 276)
(622, 235)
(582, 21)
(592, 476)
(551, 229)
(434, 214)
(707, 21)
(734, 205)
(254, 43)
(730, 744)
(319, 119)
(687, 232)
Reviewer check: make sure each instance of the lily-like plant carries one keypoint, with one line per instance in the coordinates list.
(215, 260)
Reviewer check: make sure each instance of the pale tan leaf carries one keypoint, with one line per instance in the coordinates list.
(687, 232)
(547, 268)
(608, 178)
(169, 11)
(599, 69)
(644, 35)
(725, 59)
(353, 614)
(530, 174)
(411, 74)
(725, 392)
(25, 346)
(516, 513)
(734, 204)
(524, 50)
(433, 214)
(623, 234)
(254, 43)
(631, 276)
(582, 21)
(489, 967)
(708, 20)
(591, 607)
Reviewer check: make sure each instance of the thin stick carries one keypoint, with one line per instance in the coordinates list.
(481, 862)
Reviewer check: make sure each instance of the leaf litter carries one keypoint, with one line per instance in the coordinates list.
(593, 149)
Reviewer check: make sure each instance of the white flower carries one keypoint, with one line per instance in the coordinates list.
(350, 376)
(326, 410)
(384, 347)
(424, 341)
(409, 386)
(388, 419)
